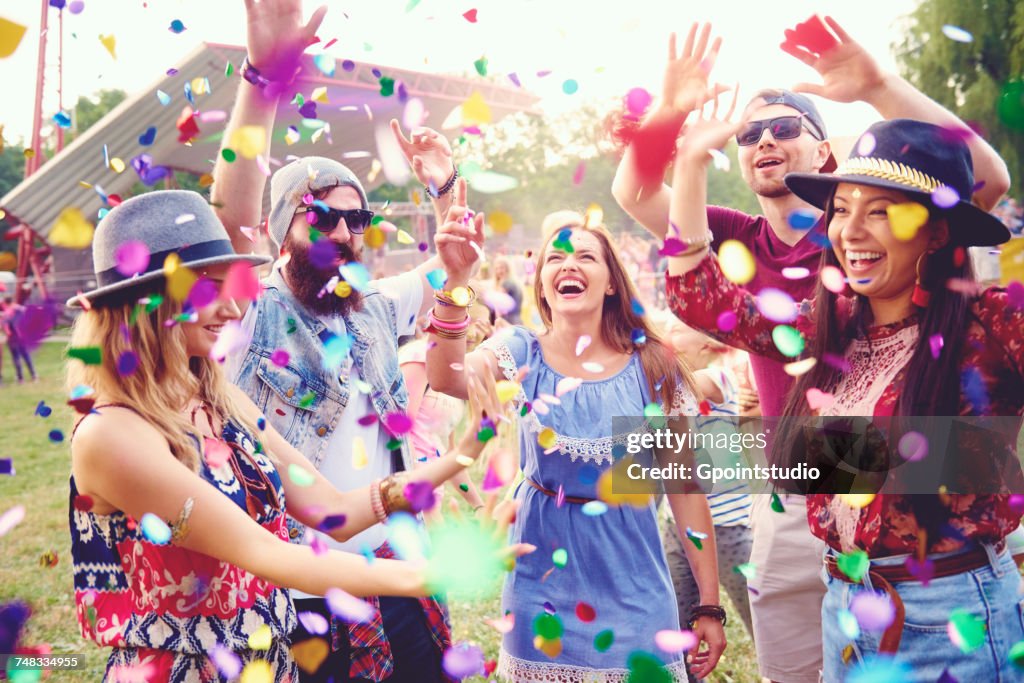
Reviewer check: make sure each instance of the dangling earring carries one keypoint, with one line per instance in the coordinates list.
(921, 296)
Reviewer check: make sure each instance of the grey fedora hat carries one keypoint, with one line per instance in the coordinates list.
(167, 222)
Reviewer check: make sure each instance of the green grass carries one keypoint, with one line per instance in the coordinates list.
(41, 486)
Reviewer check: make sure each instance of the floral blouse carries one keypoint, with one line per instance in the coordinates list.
(993, 384)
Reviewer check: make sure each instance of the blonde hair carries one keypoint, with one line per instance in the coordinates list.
(663, 369)
(165, 378)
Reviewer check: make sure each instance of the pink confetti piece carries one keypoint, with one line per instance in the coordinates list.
(280, 358)
(11, 518)
(131, 257)
(874, 611)
(216, 452)
(398, 423)
(582, 343)
(936, 343)
(567, 384)
(241, 282)
(674, 642)
(348, 608)
(726, 321)
(313, 622)
(577, 176)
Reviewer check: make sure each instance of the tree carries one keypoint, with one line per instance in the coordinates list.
(90, 110)
(969, 78)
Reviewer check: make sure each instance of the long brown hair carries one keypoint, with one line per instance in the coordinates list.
(165, 379)
(662, 368)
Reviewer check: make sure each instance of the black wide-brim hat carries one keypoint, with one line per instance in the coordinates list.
(917, 159)
(166, 222)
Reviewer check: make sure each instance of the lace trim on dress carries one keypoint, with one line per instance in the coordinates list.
(515, 670)
(597, 450)
(873, 367)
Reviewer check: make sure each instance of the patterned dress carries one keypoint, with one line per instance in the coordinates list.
(614, 592)
(992, 384)
(163, 608)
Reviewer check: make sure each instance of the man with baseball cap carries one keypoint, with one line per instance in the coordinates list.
(322, 363)
(782, 132)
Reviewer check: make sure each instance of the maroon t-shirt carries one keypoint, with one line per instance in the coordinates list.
(771, 255)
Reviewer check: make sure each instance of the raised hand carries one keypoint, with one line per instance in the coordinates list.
(427, 152)
(848, 72)
(460, 238)
(685, 86)
(706, 134)
(276, 36)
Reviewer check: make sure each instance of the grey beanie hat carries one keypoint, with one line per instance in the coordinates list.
(166, 222)
(291, 182)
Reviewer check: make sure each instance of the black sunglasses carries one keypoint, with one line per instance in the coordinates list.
(325, 219)
(782, 128)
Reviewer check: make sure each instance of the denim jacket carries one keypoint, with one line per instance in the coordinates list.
(304, 400)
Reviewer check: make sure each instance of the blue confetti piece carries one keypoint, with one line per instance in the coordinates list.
(148, 137)
(56, 436)
(177, 26)
(188, 94)
(81, 391)
(336, 350)
(155, 529)
(973, 386)
(261, 423)
(356, 275)
(638, 336)
(58, 4)
(62, 119)
(638, 307)
(326, 64)
(43, 410)
(588, 475)
(164, 98)
(594, 508)
(437, 278)
(819, 239)
(331, 522)
(7, 466)
(802, 219)
(879, 669)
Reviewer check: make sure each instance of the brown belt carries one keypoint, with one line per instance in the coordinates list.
(882, 577)
(578, 500)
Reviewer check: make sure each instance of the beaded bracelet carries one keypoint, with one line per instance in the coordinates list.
(696, 244)
(376, 502)
(713, 611)
(439, 192)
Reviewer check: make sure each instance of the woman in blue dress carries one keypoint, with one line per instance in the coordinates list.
(591, 613)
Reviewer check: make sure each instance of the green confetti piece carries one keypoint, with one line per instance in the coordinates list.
(154, 302)
(854, 564)
(394, 444)
(1016, 655)
(90, 355)
(291, 326)
(560, 558)
(604, 640)
(525, 409)
(485, 435)
(968, 631)
(387, 86)
(646, 668)
(298, 100)
(228, 70)
(481, 66)
(464, 488)
(228, 155)
(696, 541)
(307, 400)
(777, 503)
(300, 476)
(788, 340)
(747, 569)
(376, 220)
(548, 626)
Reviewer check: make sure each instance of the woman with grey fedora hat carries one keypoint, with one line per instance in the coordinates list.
(179, 487)
(917, 580)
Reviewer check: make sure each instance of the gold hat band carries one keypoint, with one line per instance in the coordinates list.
(889, 170)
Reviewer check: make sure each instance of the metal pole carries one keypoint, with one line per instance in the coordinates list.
(32, 163)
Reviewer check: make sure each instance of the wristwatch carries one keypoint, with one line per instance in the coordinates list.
(253, 75)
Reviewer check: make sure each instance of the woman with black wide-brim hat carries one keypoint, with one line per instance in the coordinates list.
(898, 330)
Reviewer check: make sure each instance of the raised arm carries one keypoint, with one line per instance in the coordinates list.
(639, 186)
(276, 39)
(850, 74)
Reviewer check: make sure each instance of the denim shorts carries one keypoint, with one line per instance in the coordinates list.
(991, 594)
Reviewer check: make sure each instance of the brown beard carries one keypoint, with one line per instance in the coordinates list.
(306, 279)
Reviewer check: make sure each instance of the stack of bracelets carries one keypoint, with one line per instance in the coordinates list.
(388, 495)
(460, 297)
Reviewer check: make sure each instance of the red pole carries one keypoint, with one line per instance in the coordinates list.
(60, 76)
(32, 163)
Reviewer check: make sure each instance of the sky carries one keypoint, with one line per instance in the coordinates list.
(606, 48)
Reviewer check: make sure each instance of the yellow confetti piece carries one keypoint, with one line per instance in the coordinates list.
(404, 238)
(205, 180)
(343, 289)
(84, 185)
(200, 86)
(375, 169)
(257, 671)
(594, 216)
(506, 390)
(249, 141)
(417, 199)
(310, 654)
(464, 460)
(110, 42)
(71, 230)
(261, 638)
(547, 438)
(291, 136)
(500, 222)
(461, 296)
(179, 278)
(857, 500)
(29, 153)
(374, 237)
(906, 219)
(736, 261)
(117, 165)
(475, 111)
(616, 488)
(552, 648)
(10, 37)
(3, 214)
(800, 367)
(320, 95)
(359, 459)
